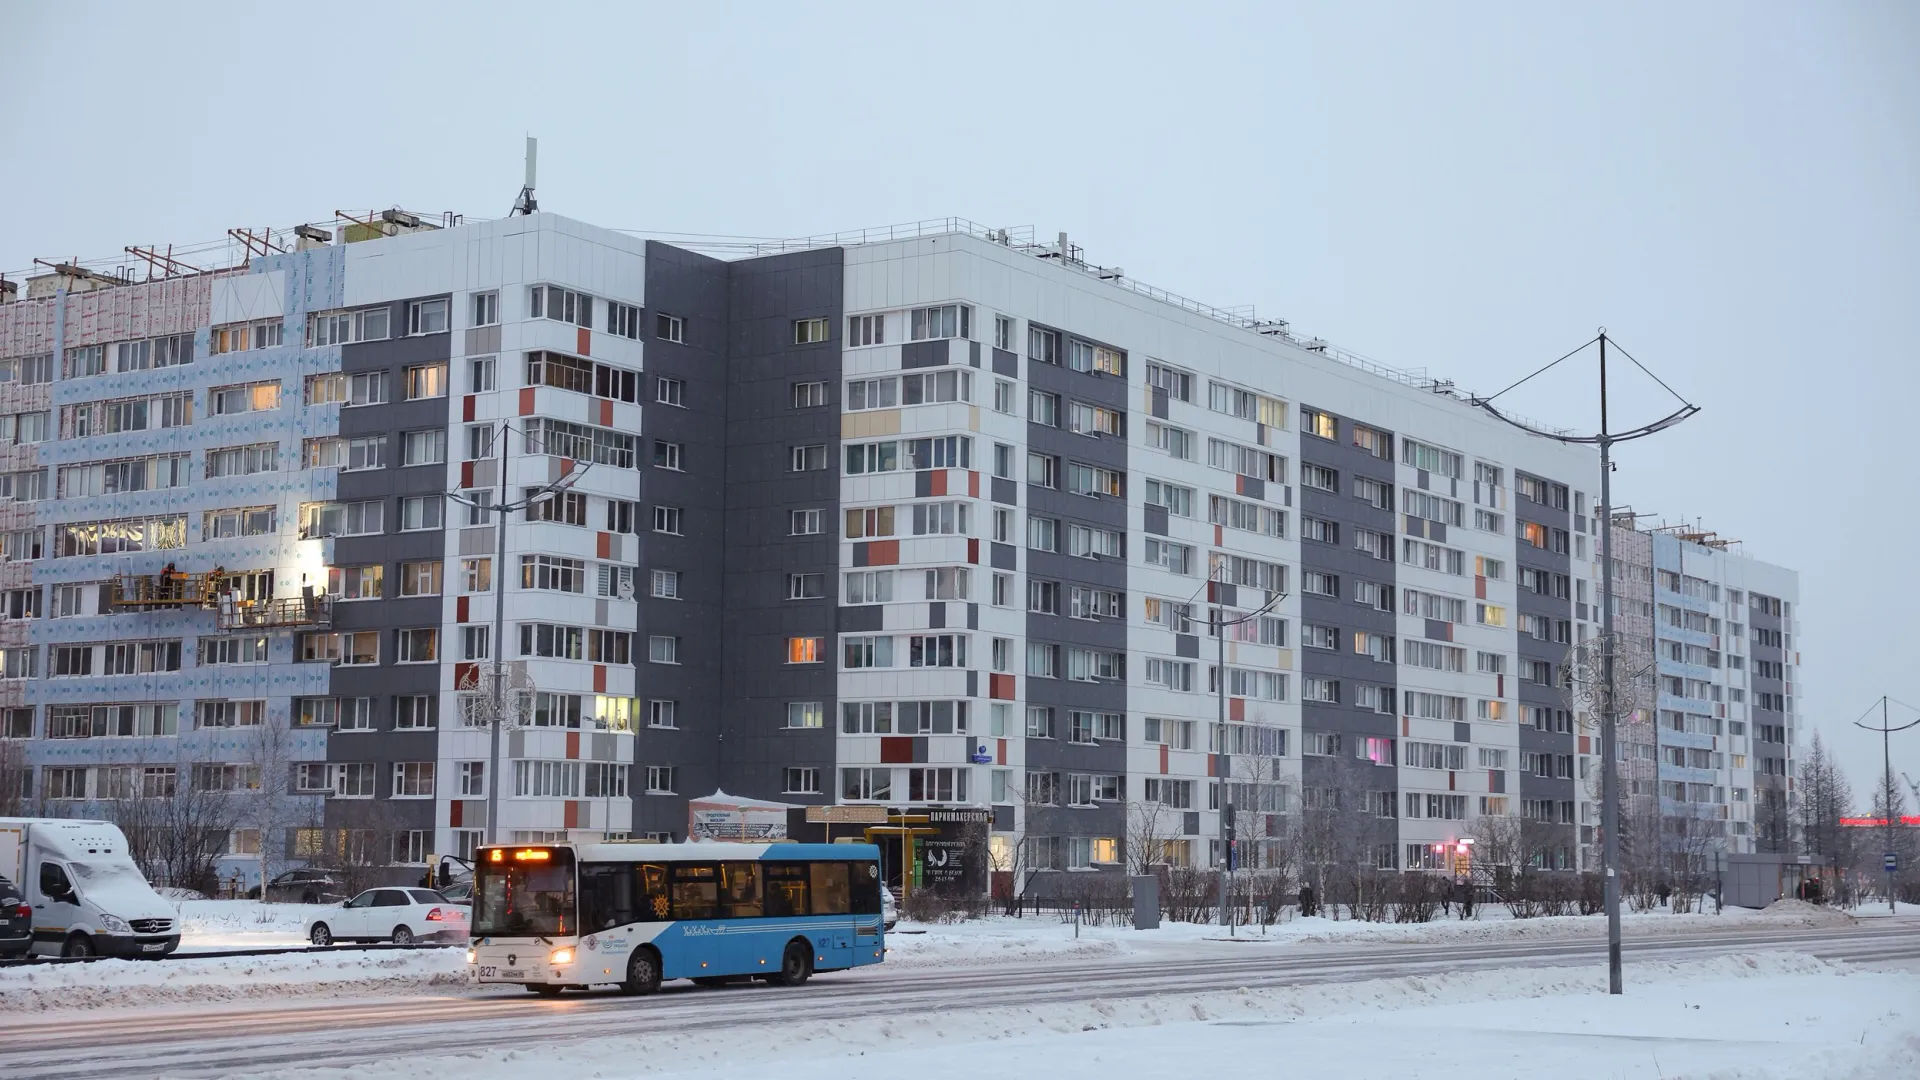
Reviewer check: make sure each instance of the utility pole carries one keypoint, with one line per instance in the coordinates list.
(1609, 645)
(1890, 853)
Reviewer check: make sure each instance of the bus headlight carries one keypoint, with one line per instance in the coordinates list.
(562, 956)
(472, 956)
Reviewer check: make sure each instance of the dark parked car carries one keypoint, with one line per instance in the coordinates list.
(16, 922)
(309, 886)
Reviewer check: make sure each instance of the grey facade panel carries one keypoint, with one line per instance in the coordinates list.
(919, 354)
(764, 297)
(1006, 363)
(693, 288)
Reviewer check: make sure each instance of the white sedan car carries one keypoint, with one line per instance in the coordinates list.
(400, 915)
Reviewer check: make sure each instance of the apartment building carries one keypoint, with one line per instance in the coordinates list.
(940, 524)
(237, 582)
(1711, 759)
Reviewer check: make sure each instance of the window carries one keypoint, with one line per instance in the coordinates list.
(669, 328)
(1317, 423)
(426, 381)
(807, 458)
(668, 455)
(1431, 458)
(807, 395)
(864, 784)
(565, 507)
(805, 714)
(1085, 479)
(427, 316)
(562, 305)
(1178, 500)
(623, 320)
(417, 645)
(415, 712)
(477, 575)
(866, 330)
(1043, 470)
(666, 584)
(806, 650)
(1043, 534)
(670, 391)
(806, 586)
(1177, 384)
(1043, 660)
(243, 460)
(804, 522)
(423, 447)
(1003, 396)
(933, 650)
(253, 397)
(1043, 408)
(666, 519)
(1171, 674)
(553, 573)
(480, 374)
(935, 387)
(419, 512)
(1176, 442)
(1170, 556)
(809, 331)
(1319, 530)
(662, 649)
(800, 781)
(944, 321)
(240, 649)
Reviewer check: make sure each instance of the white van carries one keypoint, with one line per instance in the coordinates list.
(88, 896)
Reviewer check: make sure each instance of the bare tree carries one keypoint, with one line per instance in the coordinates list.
(1150, 825)
(16, 779)
(269, 809)
(178, 826)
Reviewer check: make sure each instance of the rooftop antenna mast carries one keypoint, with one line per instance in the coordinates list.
(526, 204)
(1609, 643)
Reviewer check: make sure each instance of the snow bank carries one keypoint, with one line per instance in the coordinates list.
(1723, 1017)
(146, 983)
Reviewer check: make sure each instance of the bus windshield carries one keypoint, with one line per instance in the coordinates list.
(529, 893)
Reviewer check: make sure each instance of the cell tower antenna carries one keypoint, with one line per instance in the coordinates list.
(526, 204)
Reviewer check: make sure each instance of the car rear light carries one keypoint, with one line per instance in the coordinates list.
(24, 911)
(435, 916)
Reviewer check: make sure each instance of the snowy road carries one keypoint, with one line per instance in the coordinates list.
(202, 1042)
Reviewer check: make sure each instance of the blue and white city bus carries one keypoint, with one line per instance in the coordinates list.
(554, 916)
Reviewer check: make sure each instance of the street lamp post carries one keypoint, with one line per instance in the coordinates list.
(1223, 759)
(1609, 717)
(500, 507)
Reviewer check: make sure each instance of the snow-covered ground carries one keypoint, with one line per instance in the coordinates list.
(144, 984)
(1749, 1017)
(242, 924)
(225, 924)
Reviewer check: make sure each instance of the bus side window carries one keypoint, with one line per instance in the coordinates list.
(866, 888)
(786, 888)
(740, 890)
(696, 891)
(830, 888)
(654, 905)
(606, 897)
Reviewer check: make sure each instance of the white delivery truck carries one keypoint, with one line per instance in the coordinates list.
(88, 896)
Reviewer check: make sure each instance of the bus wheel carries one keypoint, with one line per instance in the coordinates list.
(643, 972)
(795, 965)
(543, 989)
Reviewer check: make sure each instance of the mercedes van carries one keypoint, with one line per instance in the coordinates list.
(88, 896)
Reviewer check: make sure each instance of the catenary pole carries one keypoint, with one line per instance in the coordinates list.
(1609, 733)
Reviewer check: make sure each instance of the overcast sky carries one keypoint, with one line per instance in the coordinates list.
(1733, 190)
